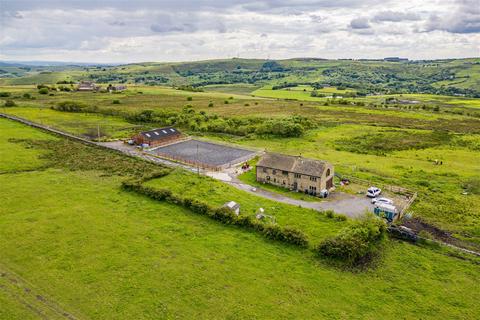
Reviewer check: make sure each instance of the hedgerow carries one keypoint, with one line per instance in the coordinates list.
(357, 243)
(223, 215)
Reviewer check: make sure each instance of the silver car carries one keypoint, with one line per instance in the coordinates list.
(382, 200)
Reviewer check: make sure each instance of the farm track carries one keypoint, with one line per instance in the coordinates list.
(22, 291)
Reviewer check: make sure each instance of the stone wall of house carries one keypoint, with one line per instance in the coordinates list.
(293, 181)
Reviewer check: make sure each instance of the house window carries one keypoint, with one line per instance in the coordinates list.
(265, 170)
(274, 172)
(268, 177)
(285, 173)
(298, 175)
(328, 172)
(313, 179)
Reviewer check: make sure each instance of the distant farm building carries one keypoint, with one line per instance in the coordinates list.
(395, 59)
(87, 86)
(157, 137)
(116, 88)
(295, 173)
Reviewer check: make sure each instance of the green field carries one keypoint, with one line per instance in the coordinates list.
(385, 145)
(79, 241)
(80, 124)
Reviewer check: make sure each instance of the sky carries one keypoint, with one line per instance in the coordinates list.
(125, 31)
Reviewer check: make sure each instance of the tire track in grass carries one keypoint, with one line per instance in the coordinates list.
(22, 291)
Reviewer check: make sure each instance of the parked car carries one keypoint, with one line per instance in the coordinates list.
(373, 192)
(382, 200)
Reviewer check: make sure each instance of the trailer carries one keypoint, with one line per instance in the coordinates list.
(386, 211)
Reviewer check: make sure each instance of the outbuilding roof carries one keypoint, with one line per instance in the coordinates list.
(296, 164)
(157, 134)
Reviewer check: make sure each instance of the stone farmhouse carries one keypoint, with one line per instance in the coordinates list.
(116, 88)
(295, 173)
(87, 86)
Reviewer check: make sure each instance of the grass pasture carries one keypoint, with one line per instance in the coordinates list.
(81, 124)
(96, 251)
(383, 145)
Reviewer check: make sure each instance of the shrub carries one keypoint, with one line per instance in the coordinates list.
(116, 102)
(225, 102)
(329, 213)
(27, 95)
(210, 105)
(4, 94)
(10, 103)
(281, 127)
(356, 243)
(43, 91)
(70, 106)
(189, 98)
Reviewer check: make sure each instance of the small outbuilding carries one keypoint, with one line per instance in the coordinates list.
(157, 137)
(232, 205)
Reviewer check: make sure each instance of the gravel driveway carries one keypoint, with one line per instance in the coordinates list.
(343, 203)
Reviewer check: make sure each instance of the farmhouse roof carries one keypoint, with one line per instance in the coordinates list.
(157, 134)
(86, 85)
(294, 164)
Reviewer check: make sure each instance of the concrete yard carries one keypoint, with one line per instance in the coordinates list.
(206, 154)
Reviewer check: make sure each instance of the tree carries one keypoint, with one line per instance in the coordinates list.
(9, 103)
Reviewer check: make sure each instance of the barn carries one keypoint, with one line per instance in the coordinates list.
(157, 137)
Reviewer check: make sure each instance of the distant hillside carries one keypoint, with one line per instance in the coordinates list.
(451, 77)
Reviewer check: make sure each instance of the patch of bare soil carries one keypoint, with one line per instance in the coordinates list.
(418, 225)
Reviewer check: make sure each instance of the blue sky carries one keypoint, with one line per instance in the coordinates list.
(133, 31)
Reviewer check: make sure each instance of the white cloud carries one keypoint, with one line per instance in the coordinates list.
(121, 31)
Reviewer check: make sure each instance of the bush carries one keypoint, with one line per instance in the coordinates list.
(225, 102)
(210, 105)
(4, 94)
(70, 106)
(189, 98)
(27, 95)
(281, 127)
(9, 103)
(116, 102)
(356, 243)
(43, 91)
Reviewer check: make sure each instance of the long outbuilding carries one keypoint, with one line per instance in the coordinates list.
(157, 137)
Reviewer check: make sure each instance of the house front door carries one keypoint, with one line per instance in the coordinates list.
(330, 183)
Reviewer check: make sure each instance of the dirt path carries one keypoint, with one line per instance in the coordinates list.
(22, 291)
